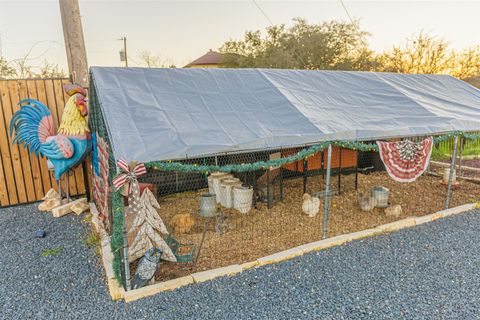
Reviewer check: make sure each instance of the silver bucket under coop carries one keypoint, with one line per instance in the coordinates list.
(380, 194)
(208, 205)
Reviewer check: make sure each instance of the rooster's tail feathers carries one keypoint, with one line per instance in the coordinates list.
(32, 124)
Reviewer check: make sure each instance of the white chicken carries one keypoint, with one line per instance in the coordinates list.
(311, 205)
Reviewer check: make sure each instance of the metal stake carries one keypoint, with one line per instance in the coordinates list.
(452, 169)
(327, 191)
(205, 227)
(68, 185)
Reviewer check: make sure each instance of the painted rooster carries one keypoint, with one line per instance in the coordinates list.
(33, 127)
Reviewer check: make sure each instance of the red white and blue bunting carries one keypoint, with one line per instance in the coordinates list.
(405, 160)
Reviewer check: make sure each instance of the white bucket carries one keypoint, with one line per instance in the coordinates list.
(211, 188)
(242, 199)
(226, 191)
(217, 180)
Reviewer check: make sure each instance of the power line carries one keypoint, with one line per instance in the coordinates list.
(263, 12)
(346, 11)
(273, 25)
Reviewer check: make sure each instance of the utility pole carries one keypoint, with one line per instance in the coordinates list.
(74, 41)
(76, 57)
(123, 53)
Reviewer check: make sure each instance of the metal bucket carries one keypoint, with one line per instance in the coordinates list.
(208, 205)
(380, 194)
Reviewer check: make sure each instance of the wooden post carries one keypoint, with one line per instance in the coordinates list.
(74, 42)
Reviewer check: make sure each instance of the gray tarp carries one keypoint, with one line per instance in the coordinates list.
(160, 114)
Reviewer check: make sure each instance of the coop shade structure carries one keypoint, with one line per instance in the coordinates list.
(161, 114)
(405, 160)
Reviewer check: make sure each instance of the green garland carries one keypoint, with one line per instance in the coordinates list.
(117, 243)
(303, 154)
(247, 167)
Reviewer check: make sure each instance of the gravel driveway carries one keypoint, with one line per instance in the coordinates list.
(428, 272)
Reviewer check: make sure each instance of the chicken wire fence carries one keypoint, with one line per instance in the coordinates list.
(215, 219)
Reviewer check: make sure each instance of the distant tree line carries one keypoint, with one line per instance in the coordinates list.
(331, 45)
(21, 68)
(337, 45)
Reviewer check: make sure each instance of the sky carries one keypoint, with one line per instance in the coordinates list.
(181, 31)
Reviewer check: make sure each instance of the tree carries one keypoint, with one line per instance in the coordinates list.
(421, 54)
(154, 61)
(328, 45)
(467, 63)
(50, 70)
(20, 68)
(6, 71)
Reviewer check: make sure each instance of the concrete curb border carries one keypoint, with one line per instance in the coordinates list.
(117, 292)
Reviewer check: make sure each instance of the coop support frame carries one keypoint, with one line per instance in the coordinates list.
(452, 172)
(126, 264)
(327, 191)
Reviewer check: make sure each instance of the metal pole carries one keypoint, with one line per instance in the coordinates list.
(281, 177)
(126, 265)
(339, 170)
(327, 191)
(85, 180)
(269, 205)
(305, 169)
(452, 169)
(462, 142)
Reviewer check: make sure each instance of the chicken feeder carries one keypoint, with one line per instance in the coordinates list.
(208, 205)
(380, 194)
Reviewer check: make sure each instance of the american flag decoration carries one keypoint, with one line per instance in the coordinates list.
(100, 177)
(128, 176)
(405, 160)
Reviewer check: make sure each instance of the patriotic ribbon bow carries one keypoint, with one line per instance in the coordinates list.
(129, 175)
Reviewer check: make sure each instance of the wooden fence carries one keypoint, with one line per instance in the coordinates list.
(24, 177)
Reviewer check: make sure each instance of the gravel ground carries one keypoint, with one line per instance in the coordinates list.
(428, 272)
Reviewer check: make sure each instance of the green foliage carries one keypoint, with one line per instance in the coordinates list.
(52, 251)
(92, 240)
(21, 68)
(327, 46)
(443, 151)
(117, 243)
(6, 71)
(337, 45)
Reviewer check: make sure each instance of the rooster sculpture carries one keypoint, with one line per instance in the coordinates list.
(33, 127)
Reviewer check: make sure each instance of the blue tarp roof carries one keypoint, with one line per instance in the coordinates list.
(160, 114)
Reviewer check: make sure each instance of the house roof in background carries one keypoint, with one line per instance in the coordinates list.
(161, 114)
(209, 58)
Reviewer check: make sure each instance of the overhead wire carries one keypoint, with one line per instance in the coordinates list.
(273, 25)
